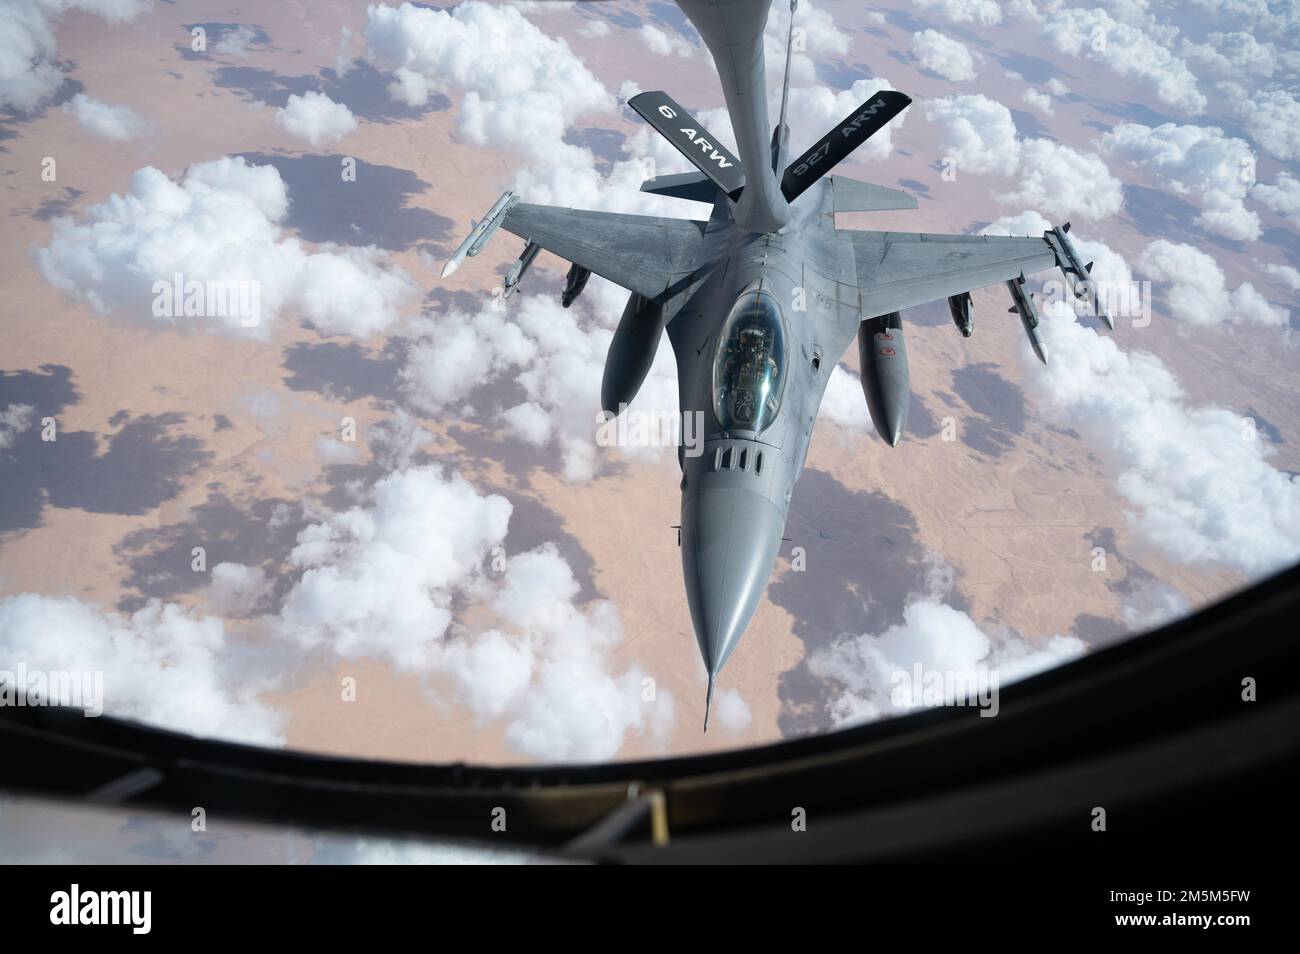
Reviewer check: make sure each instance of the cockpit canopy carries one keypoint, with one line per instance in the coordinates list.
(749, 367)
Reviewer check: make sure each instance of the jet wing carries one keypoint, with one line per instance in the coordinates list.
(898, 270)
(642, 253)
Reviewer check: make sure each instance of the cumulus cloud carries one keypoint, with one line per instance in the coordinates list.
(490, 51)
(983, 12)
(844, 404)
(1282, 197)
(977, 133)
(315, 118)
(555, 355)
(14, 420)
(160, 665)
(1197, 291)
(818, 36)
(1232, 55)
(1064, 182)
(520, 91)
(1039, 100)
(115, 123)
(30, 71)
(236, 42)
(940, 54)
(733, 711)
(814, 109)
(1129, 50)
(1198, 161)
(218, 225)
(1197, 490)
(380, 581)
(1272, 119)
(1285, 274)
(237, 589)
(868, 669)
(979, 136)
(661, 43)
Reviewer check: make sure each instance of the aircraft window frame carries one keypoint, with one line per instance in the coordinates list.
(755, 310)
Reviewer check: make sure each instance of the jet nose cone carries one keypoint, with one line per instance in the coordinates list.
(730, 539)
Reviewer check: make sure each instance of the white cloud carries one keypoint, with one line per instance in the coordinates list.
(1197, 291)
(950, 58)
(235, 42)
(1127, 49)
(160, 665)
(14, 420)
(1057, 88)
(1271, 118)
(733, 711)
(1063, 182)
(30, 70)
(1196, 489)
(977, 133)
(556, 356)
(595, 29)
(491, 51)
(661, 43)
(1232, 55)
(821, 40)
(938, 638)
(380, 580)
(1199, 161)
(1285, 274)
(218, 223)
(115, 123)
(983, 12)
(815, 109)
(1282, 197)
(1039, 100)
(343, 58)
(334, 451)
(237, 589)
(844, 404)
(315, 118)
(520, 91)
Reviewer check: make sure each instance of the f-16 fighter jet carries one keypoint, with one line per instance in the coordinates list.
(726, 289)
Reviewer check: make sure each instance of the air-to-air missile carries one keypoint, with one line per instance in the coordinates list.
(1022, 302)
(574, 283)
(1076, 272)
(520, 268)
(959, 308)
(480, 233)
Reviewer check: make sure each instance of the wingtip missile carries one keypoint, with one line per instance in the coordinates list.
(480, 233)
(1077, 274)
